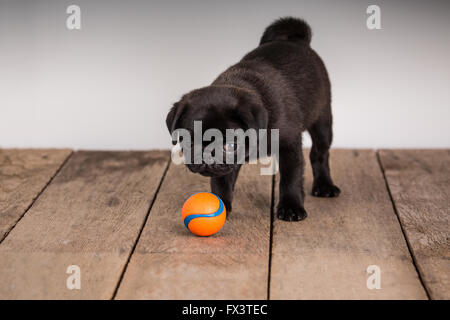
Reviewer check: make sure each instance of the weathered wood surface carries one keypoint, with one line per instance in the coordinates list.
(326, 256)
(91, 213)
(419, 181)
(23, 175)
(171, 263)
(89, 216)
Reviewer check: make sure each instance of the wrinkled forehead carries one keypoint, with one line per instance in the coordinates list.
(214, 118)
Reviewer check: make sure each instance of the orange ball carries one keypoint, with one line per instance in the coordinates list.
(204, 214)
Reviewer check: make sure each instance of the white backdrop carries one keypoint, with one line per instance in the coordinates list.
(110, 84)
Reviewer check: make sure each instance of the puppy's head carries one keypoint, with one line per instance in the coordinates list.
(220, 108)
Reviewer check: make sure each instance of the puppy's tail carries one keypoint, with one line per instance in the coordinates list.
(287, 29)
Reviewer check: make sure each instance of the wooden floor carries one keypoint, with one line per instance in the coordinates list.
(117, 216)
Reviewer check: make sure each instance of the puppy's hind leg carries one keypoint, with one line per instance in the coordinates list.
(224, 187)
(322, 135)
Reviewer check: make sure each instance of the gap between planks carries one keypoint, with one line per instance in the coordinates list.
(408, 244)
(419, 184)
(38, 194)
(140, 231)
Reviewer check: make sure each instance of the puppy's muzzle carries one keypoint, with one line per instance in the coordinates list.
(197, 168)
(211, 170)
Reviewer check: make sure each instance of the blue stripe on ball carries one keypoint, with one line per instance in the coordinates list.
(190, 217)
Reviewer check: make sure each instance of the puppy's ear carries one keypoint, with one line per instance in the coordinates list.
(174, 115)
(254, 115)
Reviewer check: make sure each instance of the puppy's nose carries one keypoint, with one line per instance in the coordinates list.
(198, 168)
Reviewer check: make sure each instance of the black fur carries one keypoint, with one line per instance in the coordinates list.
(282, 84)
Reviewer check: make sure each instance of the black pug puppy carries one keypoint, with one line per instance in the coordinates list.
(282, 84)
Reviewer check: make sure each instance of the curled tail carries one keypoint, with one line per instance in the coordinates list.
(287, 29)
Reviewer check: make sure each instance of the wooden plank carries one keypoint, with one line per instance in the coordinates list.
(419, 182)
(172, 263)
(326, 256)
(23, 175)
(89, 216)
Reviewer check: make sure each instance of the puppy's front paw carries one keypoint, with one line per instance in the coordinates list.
(291, 213)
(327, 190)
(228, 207)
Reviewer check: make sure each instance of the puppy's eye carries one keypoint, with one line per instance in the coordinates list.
(230, 147)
